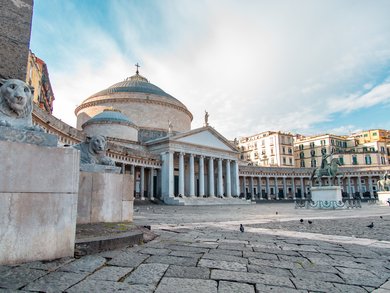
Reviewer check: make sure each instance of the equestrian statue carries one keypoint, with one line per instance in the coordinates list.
(327, 169)
(384, 182)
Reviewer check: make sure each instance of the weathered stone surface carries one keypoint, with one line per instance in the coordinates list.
(39, 138)
(260, 288)
(15, 30)
(239, 247)
(187, 248)
(56, 281)
(186, 254)
(90, 285)
(313, 285)
(386, 285)
(276, 251)
(252, 278)
(223, 265)
(321, 276)
(181, 285)
(319, 268)
(89, 263)
(188, 272)
(227, 252)
(349, 288)
(275, 263)
(225, 257)
(228, 287)
(155, 251)
(110, 273)
(147, 274)
(172, 260)
(48, 265)
(269, 270)
(128, 259)
(18, 277)
(260, 255)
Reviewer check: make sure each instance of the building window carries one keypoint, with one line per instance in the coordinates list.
(323, 151)
(284, 150)
(284, 160)
(383, 161)
(313, 153)
(382, 149)
(354, 160)
(301, 155)
(313, 163)
(341, 160)
(290, 151)
(312, 144)
(301, 147)
(368, 160)
(375, 134)
(303, 164)
(290, 161)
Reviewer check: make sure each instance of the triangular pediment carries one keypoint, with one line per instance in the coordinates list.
(207, 138)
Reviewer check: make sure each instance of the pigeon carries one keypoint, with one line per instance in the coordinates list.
(381, 217)
(136, 210)
(310, 222)
(241, 228)
(371, 225)
(301, 220)
(276, 212)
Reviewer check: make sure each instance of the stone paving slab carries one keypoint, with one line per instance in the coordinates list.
(17, 277)
(56, 281)
(260, 288)
(223, 265)
(225, 257)
(89, 285)
(88, 263)
(111, 273)
(181, 285)
(269, 270)
(229, 287)
(173, 260)
(128, 259)
(188, 272)
(147, 274)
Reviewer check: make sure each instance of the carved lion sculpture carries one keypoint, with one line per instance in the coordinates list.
(93, 151)
(16, 98)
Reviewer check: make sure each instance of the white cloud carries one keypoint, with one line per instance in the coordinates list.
(254, 66)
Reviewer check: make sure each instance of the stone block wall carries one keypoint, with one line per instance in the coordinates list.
(15, 30)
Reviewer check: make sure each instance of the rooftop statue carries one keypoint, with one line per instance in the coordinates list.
(93, 151)
(16, 103)
(206, 118)
(327, 169)
(384, 182)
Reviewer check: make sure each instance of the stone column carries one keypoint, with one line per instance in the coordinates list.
(211, 177)
(252, 188)
(349, 187)
(259, 188)
(371, 187)
(302, 188)
(220, 178)
(236, 179)
(201, 176)
(132, 172)
(167, 175)
(192, 175)
(142, 183)
(151, 183)
(360, 186)
(276, 188)
(293, 187)
(268, 187)
(228, 180)
(244, 186)
(284, 187)
(181, 174)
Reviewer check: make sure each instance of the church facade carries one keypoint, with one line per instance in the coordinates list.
(150, 137)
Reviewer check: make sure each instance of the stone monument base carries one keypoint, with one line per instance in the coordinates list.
(326, 197)
(38, 202)
(384, 197)
(105, 197)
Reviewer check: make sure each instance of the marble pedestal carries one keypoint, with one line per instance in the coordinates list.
(383, 197)
(326, 197)
(105, 197)
(38, 202)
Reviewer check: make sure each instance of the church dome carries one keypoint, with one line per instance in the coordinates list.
(112, 124)
(149, 107)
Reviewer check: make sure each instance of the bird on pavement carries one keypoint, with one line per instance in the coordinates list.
(301, 220)
(241, 228)
(381, 217)
(276, 212)
(310, 222)
(371, 225)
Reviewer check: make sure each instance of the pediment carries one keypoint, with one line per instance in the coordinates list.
(205, 138)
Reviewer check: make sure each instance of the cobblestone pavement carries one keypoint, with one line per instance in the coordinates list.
(200, 249)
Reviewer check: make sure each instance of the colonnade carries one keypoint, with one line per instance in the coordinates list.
(259, 187)
(194, 175)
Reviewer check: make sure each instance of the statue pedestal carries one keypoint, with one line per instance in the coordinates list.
(383, 197)
(105, 197)
(38, 201)
(326, 197)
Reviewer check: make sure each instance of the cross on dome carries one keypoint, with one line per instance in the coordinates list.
(138, 66)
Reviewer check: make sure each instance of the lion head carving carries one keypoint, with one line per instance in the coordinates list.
(93, 151)
(16, 98)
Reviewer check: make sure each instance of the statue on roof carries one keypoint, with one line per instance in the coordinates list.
(170, 126)
(206, 118)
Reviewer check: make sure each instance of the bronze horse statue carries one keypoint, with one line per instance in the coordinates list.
(328, 170)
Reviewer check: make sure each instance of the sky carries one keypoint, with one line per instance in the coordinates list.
(299, 66)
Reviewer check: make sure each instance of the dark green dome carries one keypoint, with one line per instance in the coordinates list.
(109, 115)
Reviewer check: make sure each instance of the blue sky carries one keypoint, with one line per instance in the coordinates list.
(307, 67)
